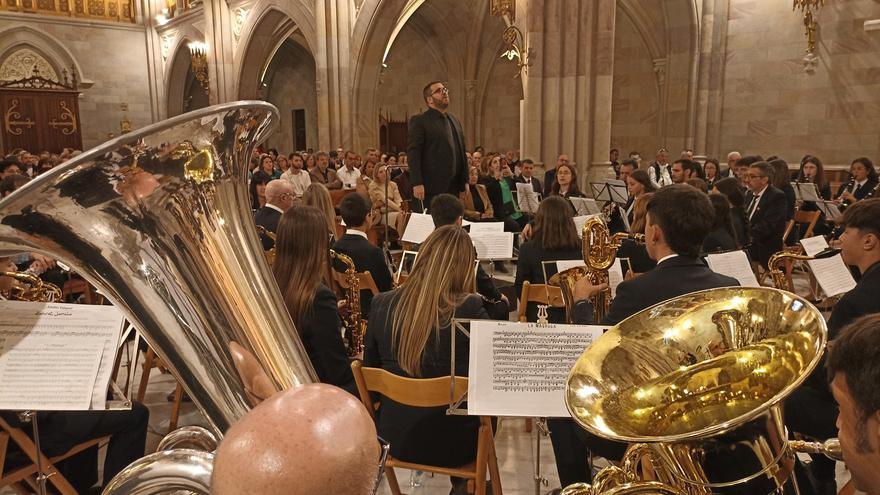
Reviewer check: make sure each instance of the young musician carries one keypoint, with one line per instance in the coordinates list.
(863, 182)
(860, 247)
(409, 334)
(302, 257)
(355, 210)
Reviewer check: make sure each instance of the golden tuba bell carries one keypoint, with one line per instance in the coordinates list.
(159, 220)
(695, 384)
(599, 249)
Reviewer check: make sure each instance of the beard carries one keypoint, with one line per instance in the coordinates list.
(441, 103)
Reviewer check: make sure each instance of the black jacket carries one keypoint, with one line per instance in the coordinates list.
(549, 179)
(637, 254)
(321, 336)
(433, 161)
(672, 278)
(267, 218)
(421, 434)
(367, 258)
(530, 268)
(719, 240)
(767, 224)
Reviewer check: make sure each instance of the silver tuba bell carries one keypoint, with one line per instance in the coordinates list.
(159, 220)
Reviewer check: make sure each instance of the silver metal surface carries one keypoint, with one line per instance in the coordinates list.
(160, 221)
(189, 437)
(164, 472)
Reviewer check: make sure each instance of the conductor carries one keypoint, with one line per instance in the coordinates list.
(436, 151)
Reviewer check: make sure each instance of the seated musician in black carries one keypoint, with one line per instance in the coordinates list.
(355, 209)
(860, 247)
(679, 219)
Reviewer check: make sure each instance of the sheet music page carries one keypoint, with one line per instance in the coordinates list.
(520, 369)
(486, 227)
(806, 191)
(579, 223)
(418, 228)
(76, 323)
(814, 245)
(615, 276)
(526, 197)
(585, 206)
(493, 245)
(734, 264)
(833, 276)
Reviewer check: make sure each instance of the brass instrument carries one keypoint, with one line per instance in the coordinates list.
(30, 288)
(270, 254)
(696, 384)
(159, 220)
(776, 262)
(352, 325)
(599, 249)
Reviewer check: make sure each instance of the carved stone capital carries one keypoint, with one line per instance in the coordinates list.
(660, 65)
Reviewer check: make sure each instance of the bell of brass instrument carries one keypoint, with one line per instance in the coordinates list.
(29, 287)
(599, 249)
(777, 270)
(696, 384)
(353, 327)
(159, 220)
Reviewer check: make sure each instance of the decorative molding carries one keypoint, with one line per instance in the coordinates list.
(503, 8)
(873, 25)
(25, 63)
(167, 40)
(660, 65)
(239, 17)
(24, 19)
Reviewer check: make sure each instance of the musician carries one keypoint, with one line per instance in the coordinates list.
(860, 247)
(729, 187)
(635, 252)
(732, 158)
(436, 148)
(302, 271)
(863, 182)
(565, 183)
(660, 171)
(550, 175)
(318, 196)
(477, 207)
(279, 198)
(527, 168)
(553, 238)
(712, 171)
(813, 171)
(408, 334)
(626, 169)
(355, 211)
(782, 181)
(766, 212)
(742, 169)
(854, 370)
(323, 174)
(722, 237)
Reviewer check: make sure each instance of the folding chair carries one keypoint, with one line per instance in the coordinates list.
(540, 294)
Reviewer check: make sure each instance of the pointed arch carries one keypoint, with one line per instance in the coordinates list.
(46, 45)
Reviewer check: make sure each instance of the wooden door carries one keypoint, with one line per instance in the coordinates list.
(40, 120)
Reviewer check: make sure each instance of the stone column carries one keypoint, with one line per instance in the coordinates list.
(567, 107)
(156, 60)
(219, 37)
(713, 50)
(334, 20)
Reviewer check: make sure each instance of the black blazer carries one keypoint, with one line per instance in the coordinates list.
(536, 184)
(367, 258)
(493, 190)
(740, 226)
(719, 240)
(432, 158)
(321, 336)
(767, 224)
(267, 218)
(422, 434)
(529, 268)
(639, 261)
(549, 179)
(689, 275)
(860, 192)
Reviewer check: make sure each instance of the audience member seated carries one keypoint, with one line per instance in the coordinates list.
(323, 174)
(390, 203)
(766, 212)
(553, 238)
(477, 207)
(302, 271)
(636, 252)
(318, 196)
(355, 210)
(267, 166)
(297, 177)
(722, 237)
(408, 334)
(527, 169)
(729, 187)
(279, 198)
(349, 173)
(11, 183)
(498, 189)
(292, 440)
(257, 187)
(403, 181)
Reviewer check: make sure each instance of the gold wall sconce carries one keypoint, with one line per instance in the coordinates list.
(513, 39)
(810, 8)
(199, 53)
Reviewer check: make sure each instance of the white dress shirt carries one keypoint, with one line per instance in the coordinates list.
(300, 181)
(348, 177)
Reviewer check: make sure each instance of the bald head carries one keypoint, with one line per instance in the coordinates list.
(733, 157)
(277, 188)
(317, 438)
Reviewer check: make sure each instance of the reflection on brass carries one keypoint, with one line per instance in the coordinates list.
(13, 118)
(697, 382)
(599, 249)
(67, 122)
(29, 287)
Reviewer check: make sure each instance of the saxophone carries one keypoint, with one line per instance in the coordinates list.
(30, 287)
(778, 260)
(352, 324)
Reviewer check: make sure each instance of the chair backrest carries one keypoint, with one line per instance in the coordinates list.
(808, 217)
(365, 281)
(540, 294)
(416, 392)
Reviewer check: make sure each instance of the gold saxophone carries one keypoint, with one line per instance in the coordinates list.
(777, 261)
(30, 288)
(352, 324)
(599, 249)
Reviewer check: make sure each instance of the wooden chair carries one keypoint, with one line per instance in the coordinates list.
(800, 217)
(151, 360)
(432, 392)
(541, 294)
(27, 474)
(365, 281)
(76, 287)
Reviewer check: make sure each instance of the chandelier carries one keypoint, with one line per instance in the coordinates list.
(810, 8)
(199, 53)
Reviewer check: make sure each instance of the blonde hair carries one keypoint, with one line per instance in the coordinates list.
(640, 213)
(442, 277)
(318, 196)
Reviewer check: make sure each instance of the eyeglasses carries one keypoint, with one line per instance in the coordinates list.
(442, 89)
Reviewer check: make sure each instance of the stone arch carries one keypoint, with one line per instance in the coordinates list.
(45, 45)
(683, 55)
(183, 91)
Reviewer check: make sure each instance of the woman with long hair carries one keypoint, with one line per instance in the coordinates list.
(566, 185)
(553, 238)
(267, 165)
(813, 171)
(722, 237)
(729, 187)
(475, 198)
(301, 268)
(636, 253)
(863, 182)
(782, 181)
(317, 195)
(409, 334)
(390, 203)
(637, 184)
(498, 189)
(257, 189)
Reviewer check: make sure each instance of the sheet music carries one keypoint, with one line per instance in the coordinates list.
(526, 197)
(493, 245)
(806, 191)
(520, 369)
(814, 245)
(486, 227)
(833, 276)
(585, 206)
(579, 223)
(73, 323)
(418, 228)
(615, 276)
(734, 264)
(829, 209)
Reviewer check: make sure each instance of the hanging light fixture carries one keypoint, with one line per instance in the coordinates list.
(810, 8)
(199, 53)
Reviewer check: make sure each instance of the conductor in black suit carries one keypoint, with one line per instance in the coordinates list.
(678, 220)
(355, 209)
(766, 211)
(436, 150)
(279, 198)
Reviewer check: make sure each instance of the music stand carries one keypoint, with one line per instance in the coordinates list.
(610, 191)
(806, 191)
